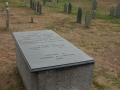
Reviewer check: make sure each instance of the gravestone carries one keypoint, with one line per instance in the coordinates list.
(65, 7)
(112, 11)
(32, 20)
(44, 2)
(94, 7)
(93, 14)
(7, 16)
(34, 6)
(69, 8)
(88, 19)
(30, 3)
(53, 2)
(79, 15)
(46, 61)
(38, 6)
(24, 2)
(117, 14)
(57, 1)
(40, 9)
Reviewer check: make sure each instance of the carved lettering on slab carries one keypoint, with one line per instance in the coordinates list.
(57, 56)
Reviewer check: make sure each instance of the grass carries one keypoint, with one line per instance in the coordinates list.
(108, 18)
(99, 85)
(49, 27)
(115, 80)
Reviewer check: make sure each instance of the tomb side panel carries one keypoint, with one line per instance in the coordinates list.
(29, 79)
(71, 78)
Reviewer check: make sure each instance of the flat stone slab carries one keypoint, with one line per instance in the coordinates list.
(45, 49)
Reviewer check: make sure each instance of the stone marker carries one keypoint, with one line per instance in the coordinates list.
(24, 2)
(32, 20)
(34, 6)
(40, 9)
(44, 2)
(112, 11)
(93, 14)
(46, 61)
(117, 14)
(38, 6)
(57, 1)
(94, 7)
(88, 19)
(53, 2)
(30, 3)
(69, 8)
(79, 15)
(7, 16)
(65, 7)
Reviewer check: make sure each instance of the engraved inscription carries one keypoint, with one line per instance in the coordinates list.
(57, 56)
(48, 46)
(35, 38)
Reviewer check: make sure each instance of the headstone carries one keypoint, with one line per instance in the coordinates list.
(117, 14)
(7, 16)
(93, 14)
(38, 5)
(24, 2)
(30, 3)
(32, 20)
(65, 7)
(79, 15)
(44, 2)
(94, 7)
(34, 6)
(40, 9)
(46, 61)
(88, 19)
(53, 2)
(57, 1)
(112, 11)
(69, 8)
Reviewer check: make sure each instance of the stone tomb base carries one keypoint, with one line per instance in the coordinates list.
(70, 78)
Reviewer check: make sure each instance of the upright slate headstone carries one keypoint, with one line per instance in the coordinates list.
(65, 7)
(57, 1)
(88, 19)
(79, 15)
(40, 9)
(117, 14)
(69, 8)
(112, 11)
(38, 6)
(53, 2)
(24, 2)
(30, 3)
(93, 14)
(44, 2)
(34, 6)
(94, 7)
(7, 16)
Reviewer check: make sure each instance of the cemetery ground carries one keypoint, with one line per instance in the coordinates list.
(101, 41)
